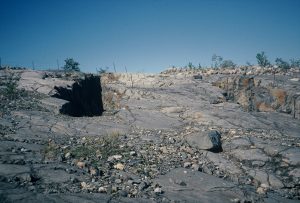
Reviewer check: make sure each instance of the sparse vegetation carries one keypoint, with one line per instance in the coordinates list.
(282, 64)
(262, 59)
(51, 151)
(71, 65)
(107, 146)
(216, 61)
(227, 64)
(190, 65)
(132, 82)
(11, 92)
(11, 87)
(97, 149)
(12, 98)
(102, 70)
(295, 63)
(249, 64)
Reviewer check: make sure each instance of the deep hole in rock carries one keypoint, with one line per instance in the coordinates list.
(215, 138)
(216, 150)
(85, 97)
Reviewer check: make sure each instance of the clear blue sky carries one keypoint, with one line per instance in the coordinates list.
(146, 35)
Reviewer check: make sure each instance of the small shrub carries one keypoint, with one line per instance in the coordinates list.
(102, 70)
(227, 64)
(190, 65)
(96, 150)
(262, 59)
(11, 84)
(11, 90)
(295, 63)
(99, 149)
(71, 65)
(216, 61)
(282, 64)
(249, 64)
(51, 151)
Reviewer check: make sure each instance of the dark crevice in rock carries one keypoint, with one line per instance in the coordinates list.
(216, 150)
(85, 97)
(215, 138)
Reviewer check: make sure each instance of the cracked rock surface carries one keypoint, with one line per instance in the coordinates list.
(154, 142)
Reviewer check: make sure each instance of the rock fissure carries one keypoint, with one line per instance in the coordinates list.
(85, 97)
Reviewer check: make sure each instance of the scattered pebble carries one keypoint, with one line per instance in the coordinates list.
(118, 181)
(119, 166)
(94, 171)
(67, 155)
(261, 190)
(102, 190)
(80, 164)
(114, 157)
(158, 190)
(196, 167)
(187, 164)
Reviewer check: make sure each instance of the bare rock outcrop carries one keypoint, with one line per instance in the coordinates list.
(137, 151)
(252, 95)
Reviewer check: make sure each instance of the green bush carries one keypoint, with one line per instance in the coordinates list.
(190, 65)
(216, 61)
(262, 59)
(71, 65)
(11, 83)
(295, 63)
(227, 64)
(282, 64)
(102, 70)
(11, 90)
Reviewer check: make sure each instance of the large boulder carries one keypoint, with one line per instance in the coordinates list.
(207, 140)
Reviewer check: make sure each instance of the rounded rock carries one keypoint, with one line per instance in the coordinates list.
(102, 190)
(187, 164)
(158, 190)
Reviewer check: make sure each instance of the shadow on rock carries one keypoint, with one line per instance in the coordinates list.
(85, 97)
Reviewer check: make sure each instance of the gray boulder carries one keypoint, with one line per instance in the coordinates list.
(207, 140)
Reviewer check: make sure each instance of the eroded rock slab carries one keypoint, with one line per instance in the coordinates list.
(292, 156)
(250, 155)
(192, 186)
(13, 169)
